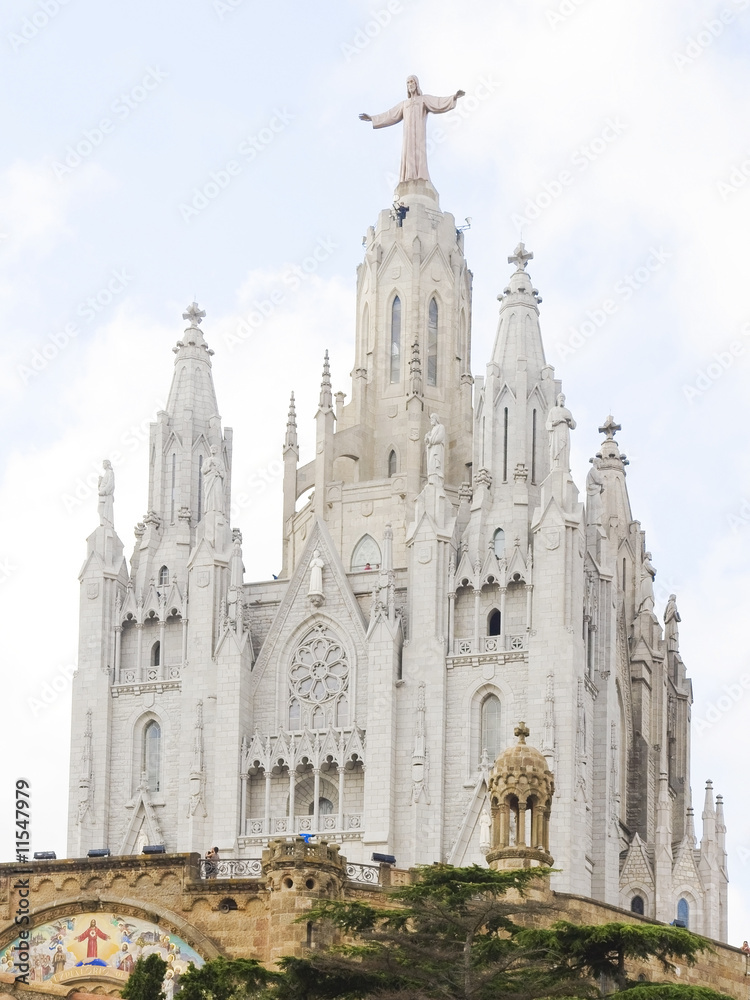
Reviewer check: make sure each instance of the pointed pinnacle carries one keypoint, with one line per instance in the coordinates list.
(326, 397)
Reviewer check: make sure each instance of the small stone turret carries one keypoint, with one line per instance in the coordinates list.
(298, 873)
(521, 789)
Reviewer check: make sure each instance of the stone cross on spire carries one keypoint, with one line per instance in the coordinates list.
(521, 731)
(194, 314)
(521, 257)
(609, 427)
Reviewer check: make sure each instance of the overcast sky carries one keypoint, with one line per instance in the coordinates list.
(156, 153)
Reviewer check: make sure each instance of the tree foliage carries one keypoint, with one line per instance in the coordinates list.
(146, 980)
(226, 979)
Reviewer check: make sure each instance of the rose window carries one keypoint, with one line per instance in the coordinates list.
(319, 669)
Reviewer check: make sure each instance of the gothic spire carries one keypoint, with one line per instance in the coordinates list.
(326, 396)
(415, 370)
(518, 334)
(290, 440)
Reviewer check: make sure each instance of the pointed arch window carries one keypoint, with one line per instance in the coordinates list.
(396, 340)
(295, 715)
(174, 479)
(683, 912)
(152, 755)
(498, 543)
(432, 342)
(491, 726)
(318, 718)
(366, 554)
(342, 712)
(494, 622)
(200, 487)
(163, 577)
(636, 905)
(156, 654)
(392, 464)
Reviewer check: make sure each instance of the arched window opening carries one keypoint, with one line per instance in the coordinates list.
(432, 343)
(491, 726)
(309, 941)
(163, 577)
(152, 755)
(156, 654)
(366, 554)
(325, 807)
(295, 714)
(493, 622)
(498, 543)
(636, 905)
(392, 464)
(318, 718)
(396, 340)
(342, 712)
(683, 912)
(174, 478)
(505, 445)
(533, 448)
(200, 487)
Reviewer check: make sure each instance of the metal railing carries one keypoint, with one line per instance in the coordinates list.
(231, 868)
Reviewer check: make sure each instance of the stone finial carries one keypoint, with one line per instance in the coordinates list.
(326, 396)
(290, 441)
(521, 731)
(194, 315)
(520, 257)
(609, 427)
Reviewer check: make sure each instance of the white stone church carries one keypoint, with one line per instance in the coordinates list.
(441, 582)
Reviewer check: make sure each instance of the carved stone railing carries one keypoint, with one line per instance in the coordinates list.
(327, 824)
(369, 874)
(231, 868)
(490, 644)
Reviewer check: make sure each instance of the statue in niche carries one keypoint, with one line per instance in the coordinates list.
(671, 618)
(213, 483)
(646, 589)
(413, 112)
(594, 490)
(316, 575)
(106, 491)
(484, 831)
(435, 442)
(560, 423)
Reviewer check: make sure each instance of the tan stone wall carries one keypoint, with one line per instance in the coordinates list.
(168, 890)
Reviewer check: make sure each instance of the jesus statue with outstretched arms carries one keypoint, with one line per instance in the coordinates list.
(413, 112)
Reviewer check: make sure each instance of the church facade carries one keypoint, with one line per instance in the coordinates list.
(442, 580)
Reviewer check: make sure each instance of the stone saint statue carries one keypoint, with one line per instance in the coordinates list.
(484, 830)
(671, 618)
(435, 442)
(413, 112)
(107, 495)
(213, 482)
(594, 490)
(316, 574)
(560, 423)
(646, 589)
